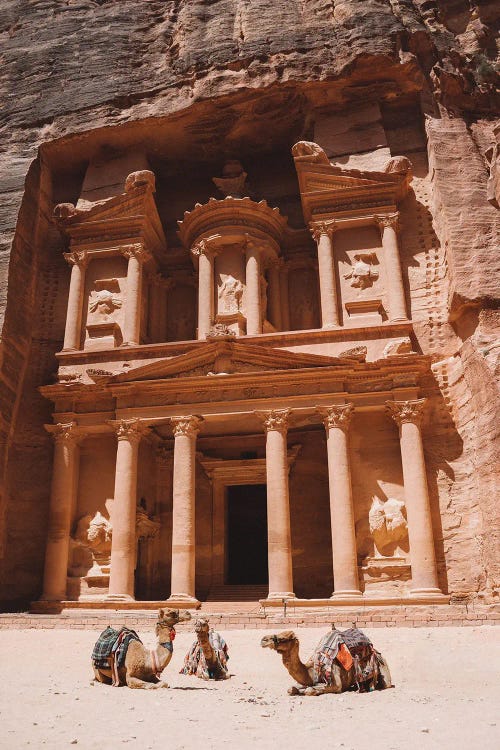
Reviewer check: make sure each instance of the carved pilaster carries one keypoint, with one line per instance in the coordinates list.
(406, 411)
(275, 419)
(339, 415)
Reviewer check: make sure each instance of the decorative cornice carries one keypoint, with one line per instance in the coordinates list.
(406, 411)
(189, 425)
(276, 419)
(388, 220)
(338, 415)
(77, 258)
(129, 429)
(319, 228)
(64, 432)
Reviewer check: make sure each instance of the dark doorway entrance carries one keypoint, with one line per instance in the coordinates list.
(246, 534)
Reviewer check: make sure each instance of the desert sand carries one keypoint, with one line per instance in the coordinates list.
(446, 695)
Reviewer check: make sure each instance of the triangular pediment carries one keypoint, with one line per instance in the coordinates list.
(226, 358)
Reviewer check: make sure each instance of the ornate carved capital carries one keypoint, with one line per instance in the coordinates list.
(388, 220)
(189, 425)
(77, 258)
(276, 419)
(136, 251)
(129, 429)
(204, 247)
(64, 433)
(338, 415)
(406, 411)
(318, 228)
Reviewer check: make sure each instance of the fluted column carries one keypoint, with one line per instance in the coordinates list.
(123, 512)
(285, 302)
(183, 510)
(323, 234)
(136, 255)
(395, 288)
(205, 256)
(278, 506)
(62, 502)
(337, 420)
(73, 330)
(408, 417)
(252, 292)
(274, 294)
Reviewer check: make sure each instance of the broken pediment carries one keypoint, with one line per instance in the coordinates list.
(226, 358)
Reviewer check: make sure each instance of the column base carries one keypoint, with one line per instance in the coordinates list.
(401, 319)
(183, 600)
(330, 326)
(278, 596)
(346, 594)
(119, 598)
(432, 594)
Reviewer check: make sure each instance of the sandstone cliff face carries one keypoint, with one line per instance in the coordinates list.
(208, 77)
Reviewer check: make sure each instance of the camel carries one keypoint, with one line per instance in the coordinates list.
(340, 678)
(142, 667)
(207, 657)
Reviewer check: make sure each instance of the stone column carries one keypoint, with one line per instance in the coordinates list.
(62, 503)
(164, 464)
(345, 560)
(274, 294)
(278, 507)
(323, 233)
(408, 417)
(132, 326)
(183, 510)
(285, 302)
(123, 512)
(205, 257)
(73, 329)
(395, 289)
(252, 292)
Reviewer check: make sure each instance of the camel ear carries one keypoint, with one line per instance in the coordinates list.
(161, 614)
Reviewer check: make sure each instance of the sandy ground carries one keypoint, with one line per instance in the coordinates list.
(447, 695)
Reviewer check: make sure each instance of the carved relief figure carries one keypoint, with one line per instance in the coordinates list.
(388, 524)
(233, 182)
(105, 298)
(362, 273)
(91, 548)
(230, 295)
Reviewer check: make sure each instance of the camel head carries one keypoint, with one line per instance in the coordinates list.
(282, 642)
(201, 626)
(167, 618)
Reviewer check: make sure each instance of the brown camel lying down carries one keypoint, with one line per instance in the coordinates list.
(207, 657)
(339, 678)
(142, 666)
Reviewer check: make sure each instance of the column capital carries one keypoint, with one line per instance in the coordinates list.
(406, 411)
(317, 228)
(66, 433)
(189, 425)
(77, 258)
(338, 415)
(204, 247)
(136, 250)
(129, 429)
(275, 419)
(388, 220)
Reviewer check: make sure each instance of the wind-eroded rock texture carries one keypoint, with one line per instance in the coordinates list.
(193, 82)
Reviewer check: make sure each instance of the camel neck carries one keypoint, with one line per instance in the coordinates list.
(296, 668)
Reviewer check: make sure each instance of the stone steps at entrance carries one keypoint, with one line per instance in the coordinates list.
(228, 593)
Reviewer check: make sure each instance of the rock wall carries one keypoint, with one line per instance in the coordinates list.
(187, 77)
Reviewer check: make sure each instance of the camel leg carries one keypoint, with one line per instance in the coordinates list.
(135, 682)
(100, 677)
(384, 679)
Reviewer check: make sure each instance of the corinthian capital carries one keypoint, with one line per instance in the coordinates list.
(189, 425)
(406, 411)
(318, 228)
(64, 433)
(388, 220)
(204, 247)
(276, 419)
(128, 429)
(338, 415)
(77, 258)
(136, 251)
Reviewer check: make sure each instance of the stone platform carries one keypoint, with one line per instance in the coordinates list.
(250, 615)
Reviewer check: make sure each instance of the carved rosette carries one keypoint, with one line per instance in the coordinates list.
(188, 426)
(319, 228)
(338, 415)
(64, 433)
(129, 429)
(77, 258)
(406, 411)
(388, 220)
(276, 419)
(136, 251)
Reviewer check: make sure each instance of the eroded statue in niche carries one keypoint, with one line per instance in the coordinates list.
(230, 295)
(91, 543)
(363, 273)
(233, 182)
(103, 302)
(388, 525)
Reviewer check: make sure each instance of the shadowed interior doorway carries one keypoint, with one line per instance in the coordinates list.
(246, 534)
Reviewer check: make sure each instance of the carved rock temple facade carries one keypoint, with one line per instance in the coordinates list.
(249, 332)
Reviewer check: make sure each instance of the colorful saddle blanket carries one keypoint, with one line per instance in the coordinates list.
(351, 648)
(111, 648)
(195, 662)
